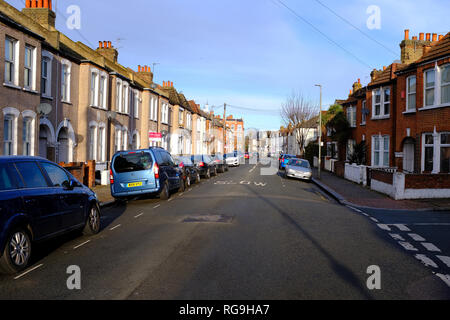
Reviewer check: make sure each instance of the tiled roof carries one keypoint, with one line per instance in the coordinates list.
(384, 76)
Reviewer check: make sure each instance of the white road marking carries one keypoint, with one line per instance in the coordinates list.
(384, 227)
(445, 260)
(445, 278)
(27, 272)
(401, 227)
(396, 236)
(416, 237)
(181, 194)
(426, 261)
(430, 247)
(374, 220)
(408, 246)
(170, 200)
(113, 228)
(139, 215)
(157, 206)
(82, 244)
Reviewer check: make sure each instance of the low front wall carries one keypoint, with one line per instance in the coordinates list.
(402, 186)
(85, 173)
(339, 168)
(356, 173)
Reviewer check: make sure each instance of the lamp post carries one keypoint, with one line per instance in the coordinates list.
(320, 129)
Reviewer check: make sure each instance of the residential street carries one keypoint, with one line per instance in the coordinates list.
(261, 237)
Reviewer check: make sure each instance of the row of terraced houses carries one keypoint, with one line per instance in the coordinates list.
(403, 115)
(67, 102)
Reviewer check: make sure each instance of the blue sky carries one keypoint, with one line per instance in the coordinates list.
(252, 53)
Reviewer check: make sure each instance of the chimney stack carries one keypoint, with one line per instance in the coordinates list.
(412, 50)
(106, 49)
(146, 73)
(41, 12)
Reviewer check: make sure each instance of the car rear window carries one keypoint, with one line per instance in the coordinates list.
(7, 181)
(132, 162)
(185, 160)
(299, 163)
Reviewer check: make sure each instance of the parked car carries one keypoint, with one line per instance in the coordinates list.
(39, 200)
(221, 162)
(144, 172)
(190, 173)
(232, 160)
(298, 168)
(205, 165)
(283, 160)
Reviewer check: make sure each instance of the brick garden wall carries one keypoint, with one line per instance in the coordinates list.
(427, 181)
(382, 176)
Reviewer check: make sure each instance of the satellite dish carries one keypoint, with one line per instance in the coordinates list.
(44, 109)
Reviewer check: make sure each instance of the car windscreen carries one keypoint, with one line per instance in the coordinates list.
(133, 162)
(185, 160)
(299, 163)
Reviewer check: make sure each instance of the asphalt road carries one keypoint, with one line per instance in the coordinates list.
(242, 235)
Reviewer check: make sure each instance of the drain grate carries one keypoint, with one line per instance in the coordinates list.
(213, 218)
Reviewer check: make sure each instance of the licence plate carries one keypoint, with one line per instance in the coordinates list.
(135, 184)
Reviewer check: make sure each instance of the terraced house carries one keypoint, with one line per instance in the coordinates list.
(403, 115)
(68, 102)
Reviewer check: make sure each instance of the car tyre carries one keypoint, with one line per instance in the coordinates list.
(198, 178)
(17, 252)
(93, 221)
(165, 192)
(188, 182)
(208, 174)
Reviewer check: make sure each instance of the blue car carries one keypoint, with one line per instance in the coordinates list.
(39, 200)
(144, 172)
(284, 159)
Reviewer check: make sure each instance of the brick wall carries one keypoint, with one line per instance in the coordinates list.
(85, 173)
(383, 176)
(339, 168)
(427, 181)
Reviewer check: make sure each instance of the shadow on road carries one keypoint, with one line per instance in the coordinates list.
(341, 270)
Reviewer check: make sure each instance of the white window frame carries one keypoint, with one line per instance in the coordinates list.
(409, 93)
(125, 142)
(425, 88)
(94, 88)
(180, 116)
(125, 98)
(437, 145)
(103, 90)
(119, 92)
(136, 98)
(31, 116)
(13, 114)
(381, 151)
(14, 62)
(382, 103)
(101, 150)
(118, 139)
(31, 69)
(65, 94)
(93, 138)
(437, 102)
(48, 57)
(443, 84)
(351, 116)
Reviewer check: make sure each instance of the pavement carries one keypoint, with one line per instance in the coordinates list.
(104, 195)
(245, 235)
(348, 192)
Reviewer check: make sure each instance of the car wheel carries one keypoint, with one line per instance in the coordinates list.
(198, 178)
(215, 171)
(93, 222)
(17, 252)
(164, 195)
(208, 174)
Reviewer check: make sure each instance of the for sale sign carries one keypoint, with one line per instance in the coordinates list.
(155, 137)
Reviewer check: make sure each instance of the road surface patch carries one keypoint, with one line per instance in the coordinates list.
(215, 218)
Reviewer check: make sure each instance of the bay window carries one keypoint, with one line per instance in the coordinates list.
(380, 151)
(411, 93)
(436, 152)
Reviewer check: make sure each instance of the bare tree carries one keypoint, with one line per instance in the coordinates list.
(300, 114)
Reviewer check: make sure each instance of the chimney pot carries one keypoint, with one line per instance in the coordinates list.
(407, 34)
(384, 68)
(40, 4)
(46, 4)
(100, 44)
(428, 36)
(50, 4)
(28, 4)
(139, 68)
(33, 3)
(414, 38)
(109, 44)
(440, 37)
(105, 44)
(359, 80)
(434, 37)
(421, 36)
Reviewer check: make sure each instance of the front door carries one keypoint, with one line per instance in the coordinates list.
(408, 157)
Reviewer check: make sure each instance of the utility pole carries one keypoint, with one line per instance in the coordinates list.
(224, 128)
(320, 130)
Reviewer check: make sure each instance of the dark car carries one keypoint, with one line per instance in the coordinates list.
(221, 162)
(39, 200)
(205, 165)
(189, 171)
(144, 172)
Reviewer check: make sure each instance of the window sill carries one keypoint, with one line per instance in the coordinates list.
(30, 90)
(46, 97)
(380, 117)
(362, 124)
(10, 85)
(97, 107)
(435, 107)
(409, 111)
(66, 102)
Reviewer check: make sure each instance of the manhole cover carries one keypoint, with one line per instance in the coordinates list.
(210, 218)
